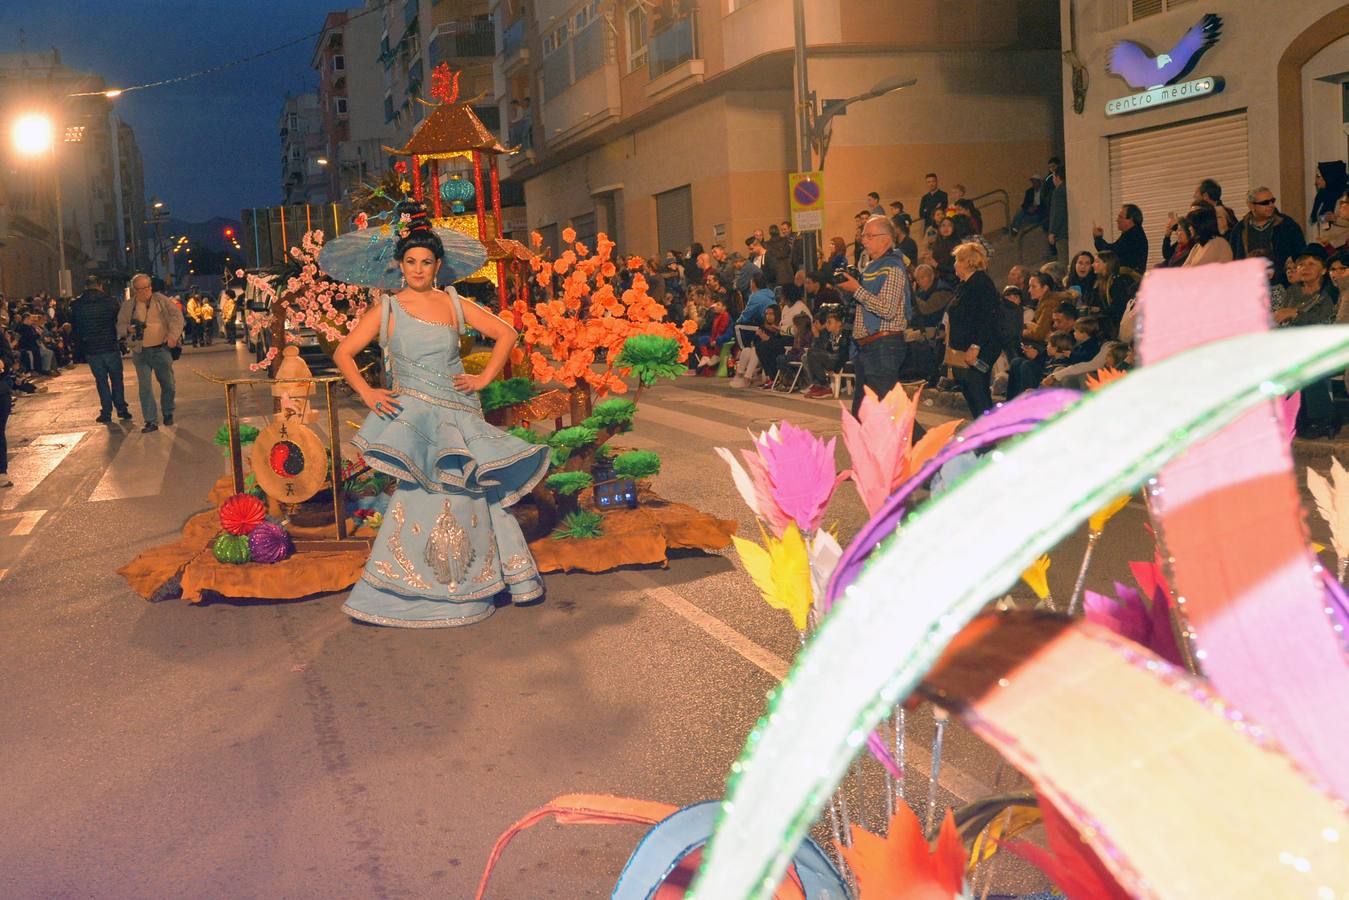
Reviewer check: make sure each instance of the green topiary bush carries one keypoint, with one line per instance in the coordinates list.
(569, 483)
(636, 464)
(615, 413)
(651, 357)
(568, 440)
(247, 435)
(580, 524)
(528, 435)
(499, 394)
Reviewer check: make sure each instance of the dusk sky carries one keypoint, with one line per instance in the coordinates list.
(210, 144)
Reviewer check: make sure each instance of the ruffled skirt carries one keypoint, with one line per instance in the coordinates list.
(448, 545)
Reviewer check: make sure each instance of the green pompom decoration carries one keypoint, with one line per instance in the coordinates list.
(615, 413)
(568, 440)
(651, 357)
(231, 548)
(569, 483)
(247, 435)
(636, 464)
(581, 524)
(528, 435)
(498, 394)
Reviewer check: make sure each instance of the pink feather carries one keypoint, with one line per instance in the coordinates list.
(878, 441)
(801, 473)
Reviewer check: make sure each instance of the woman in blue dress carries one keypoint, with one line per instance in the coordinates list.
(448, 545)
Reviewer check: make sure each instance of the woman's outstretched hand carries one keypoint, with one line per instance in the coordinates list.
(470, 384)
(384, 403)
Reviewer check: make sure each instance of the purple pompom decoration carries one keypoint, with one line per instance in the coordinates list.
(269, 543)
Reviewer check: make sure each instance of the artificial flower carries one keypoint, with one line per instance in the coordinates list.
(755, 489)
(879, 441)
(1332, 502)
(901, 865)
(1101, 377)
(1036, 577)
(781, 571)
(801, 472)
(1098, 519)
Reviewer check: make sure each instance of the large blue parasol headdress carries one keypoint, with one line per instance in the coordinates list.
(368, 256)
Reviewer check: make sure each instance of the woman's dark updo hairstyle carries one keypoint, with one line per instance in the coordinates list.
(416, 232)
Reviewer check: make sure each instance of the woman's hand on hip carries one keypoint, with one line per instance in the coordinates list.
(470, 384)
(384, 403)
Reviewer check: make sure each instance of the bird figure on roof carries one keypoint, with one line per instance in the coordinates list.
(1135, 63)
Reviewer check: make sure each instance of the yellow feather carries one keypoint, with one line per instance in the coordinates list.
(1097, 522)
(1037, 577)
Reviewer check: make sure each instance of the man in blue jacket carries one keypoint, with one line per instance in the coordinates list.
(94, 319)
(884, 306)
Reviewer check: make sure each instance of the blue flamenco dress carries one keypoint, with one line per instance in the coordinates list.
(448, 545)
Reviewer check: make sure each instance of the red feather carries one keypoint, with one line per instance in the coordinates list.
(1069, 862)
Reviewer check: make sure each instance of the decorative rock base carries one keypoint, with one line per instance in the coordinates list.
(634, 537)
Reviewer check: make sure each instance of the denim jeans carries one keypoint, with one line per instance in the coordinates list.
(107, 369)
(1025, 374)
(159, 361)
(876, 366)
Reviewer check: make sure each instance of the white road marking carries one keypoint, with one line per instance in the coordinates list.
(30, 464)
(3, 573)
(139, 467)
(28, 520)
(963, 785)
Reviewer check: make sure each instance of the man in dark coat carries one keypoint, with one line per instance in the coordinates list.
(94, 316)
(1132, 245)
(1264, 231)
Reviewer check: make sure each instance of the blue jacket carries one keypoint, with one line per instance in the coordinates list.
(758, 301)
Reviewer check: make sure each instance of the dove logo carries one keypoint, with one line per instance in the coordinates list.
(1156, 76)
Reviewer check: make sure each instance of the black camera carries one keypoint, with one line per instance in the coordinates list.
(844, 272)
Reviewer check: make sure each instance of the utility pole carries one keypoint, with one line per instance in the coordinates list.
(804, 107)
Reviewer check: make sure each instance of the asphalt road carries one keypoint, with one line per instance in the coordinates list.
(246, 749)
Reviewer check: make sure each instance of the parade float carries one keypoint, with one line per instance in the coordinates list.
(582, 337)
(1177, 739)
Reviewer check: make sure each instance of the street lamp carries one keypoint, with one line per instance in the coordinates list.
(34, 134)
(820, 130)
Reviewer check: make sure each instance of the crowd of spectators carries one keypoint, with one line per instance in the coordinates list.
(762, 310)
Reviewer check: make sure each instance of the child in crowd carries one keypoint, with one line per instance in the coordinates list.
(804, 330)
(1058, 349)
(825, 354)
(1087, 334)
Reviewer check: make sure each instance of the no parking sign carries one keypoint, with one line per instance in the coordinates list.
(806, 192)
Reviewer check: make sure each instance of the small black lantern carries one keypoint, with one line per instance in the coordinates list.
(616, 492)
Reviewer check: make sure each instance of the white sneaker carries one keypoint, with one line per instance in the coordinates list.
(5, 482)
(738, 382)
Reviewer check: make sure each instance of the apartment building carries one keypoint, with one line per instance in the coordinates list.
(1260, 107)
(663, 122)
(304, 180)
(101, 183)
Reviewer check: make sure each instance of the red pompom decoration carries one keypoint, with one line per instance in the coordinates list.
(242, 513)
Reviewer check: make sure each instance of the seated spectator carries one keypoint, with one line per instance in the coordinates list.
(1209, 246)
(803, 330)
(900, 217)
(1034, 211)
(1082, 275)
(1178, 243)
(1339, 276)
(1011, 321)
(906, 244)
(1047, 301)
(821, 293)
(826, 354)
(948, 237)
(1311, 300)
(1039, 361)
(1116, 285)
(793, 305)
(769, 342)
(931, 296)
(1336, 231)
(965, 209)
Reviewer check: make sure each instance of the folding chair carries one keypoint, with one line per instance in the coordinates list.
(845, 373)
(797, 367)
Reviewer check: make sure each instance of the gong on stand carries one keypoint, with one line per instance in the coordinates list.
(288, 458)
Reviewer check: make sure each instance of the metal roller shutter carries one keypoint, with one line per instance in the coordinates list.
(674, 219)
(1158, 169)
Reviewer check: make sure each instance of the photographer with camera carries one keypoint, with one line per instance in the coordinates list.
(154, 326)
(883, 306)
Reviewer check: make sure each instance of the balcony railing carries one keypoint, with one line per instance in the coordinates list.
(673, 45)
(459, 40)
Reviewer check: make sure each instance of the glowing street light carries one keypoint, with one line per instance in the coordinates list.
(33, 134)
(112, 93)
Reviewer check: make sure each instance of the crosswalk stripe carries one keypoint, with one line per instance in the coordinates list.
(28, 520)
(34, 462)
(139, 467)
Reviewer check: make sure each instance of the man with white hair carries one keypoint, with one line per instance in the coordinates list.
(1264, 231)
(154, 326)
(884, 306)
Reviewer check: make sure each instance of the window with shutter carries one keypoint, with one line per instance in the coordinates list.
(1158, 169)
(674, 219)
